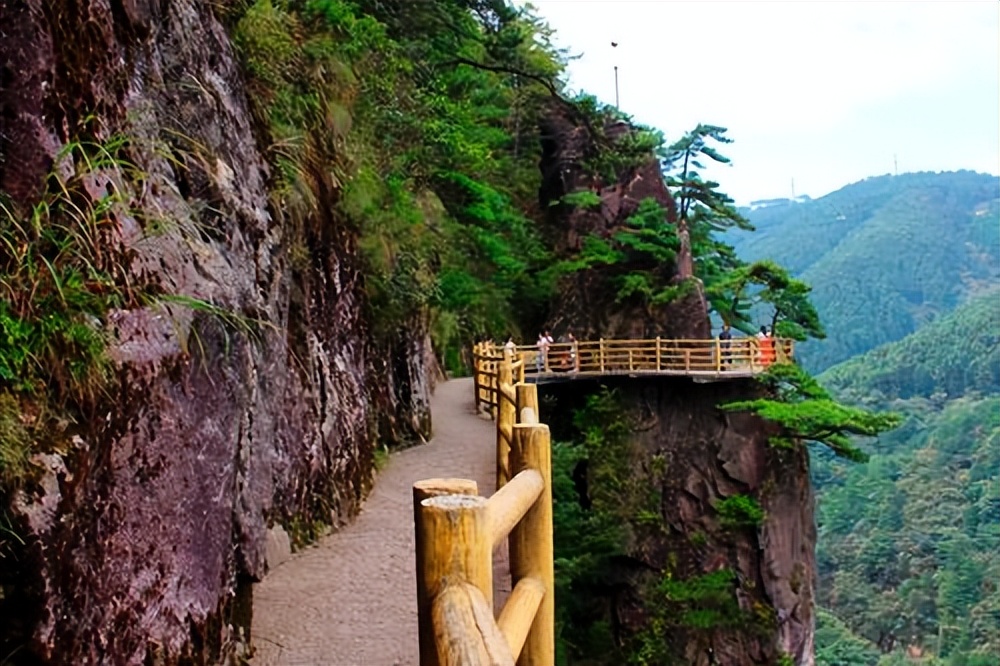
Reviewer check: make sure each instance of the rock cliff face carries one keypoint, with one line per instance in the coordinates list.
(693, 454)
(587, 302)
(142, 533)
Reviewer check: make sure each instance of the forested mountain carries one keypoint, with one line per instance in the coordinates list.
(953, 355)
(905, 272)
(884, 255)
(908, 544)
(907, 550)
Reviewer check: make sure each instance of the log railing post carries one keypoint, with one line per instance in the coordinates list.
(657, 353)
(475, 375)
(452, 546)
(718, 355)
(600, 354)
(424, 490)
(527, 398)
(494, 389)
(531, 543)
(506, 417)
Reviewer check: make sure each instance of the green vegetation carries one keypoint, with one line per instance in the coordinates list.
(908, 544)
(605, 498)
(954, 354)
(766, 287)
(63, 272)
(699, 605)
(592, 525)
(807, 411)
(740, 511)
(432, 163)
(702, 210)
(59, 281)
(838, 646)
(639, 257)
(60, 277)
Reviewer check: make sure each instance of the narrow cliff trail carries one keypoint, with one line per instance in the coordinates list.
(350, 600)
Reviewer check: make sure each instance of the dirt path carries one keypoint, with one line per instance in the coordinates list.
(351, 599)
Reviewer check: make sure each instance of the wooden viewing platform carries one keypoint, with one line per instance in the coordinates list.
(702, 360)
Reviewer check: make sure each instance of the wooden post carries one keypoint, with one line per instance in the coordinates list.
(718, 355)
(531, 543)
(601, 354)
(425, 490)
(527, 396)
(687, 360)
(658, 353)
(475, 375)
(453, 546)
(494, 389)
(506, 417)
(630, 359)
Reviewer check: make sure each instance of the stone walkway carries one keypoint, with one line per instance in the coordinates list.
(350, 600)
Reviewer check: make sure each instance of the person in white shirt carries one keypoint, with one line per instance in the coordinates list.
(509, 347)
(542, 359)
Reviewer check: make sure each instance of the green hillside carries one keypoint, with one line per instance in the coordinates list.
(884, 255)
(908, 544)
(956, 353)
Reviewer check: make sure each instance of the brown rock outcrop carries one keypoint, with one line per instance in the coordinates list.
(703, 455)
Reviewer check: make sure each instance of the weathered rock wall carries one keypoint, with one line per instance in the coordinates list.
(142, 534)
(703, 456)
(706, 455)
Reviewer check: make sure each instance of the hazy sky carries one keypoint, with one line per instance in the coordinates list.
(827, 93)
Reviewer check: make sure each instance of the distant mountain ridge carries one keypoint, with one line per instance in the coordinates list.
(884, 255)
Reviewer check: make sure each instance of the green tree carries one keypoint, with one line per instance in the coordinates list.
(805, 411)
(701, 208)
(837, 645)
(764, 285)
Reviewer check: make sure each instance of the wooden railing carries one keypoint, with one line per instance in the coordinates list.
(713, 357)
(457, 531)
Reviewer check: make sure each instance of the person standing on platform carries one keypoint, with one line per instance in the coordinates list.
(725, 344)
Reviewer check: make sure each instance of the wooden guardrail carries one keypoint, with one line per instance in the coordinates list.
(457, 531)
(658, 356)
